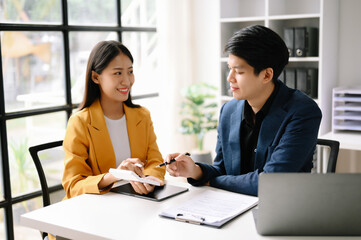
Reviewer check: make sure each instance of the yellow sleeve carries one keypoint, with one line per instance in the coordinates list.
(79, 177)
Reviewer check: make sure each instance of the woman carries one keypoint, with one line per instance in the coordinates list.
(109, 131)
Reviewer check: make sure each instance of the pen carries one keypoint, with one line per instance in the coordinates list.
(171, 161)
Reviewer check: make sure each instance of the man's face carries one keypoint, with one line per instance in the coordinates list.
(245, 85)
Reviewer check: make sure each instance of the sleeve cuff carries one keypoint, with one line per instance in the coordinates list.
(203, 180)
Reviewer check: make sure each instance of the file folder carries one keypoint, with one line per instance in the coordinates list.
(306, 41)
(289, 38)
(313, 75)
(290, 78)
(303, 81)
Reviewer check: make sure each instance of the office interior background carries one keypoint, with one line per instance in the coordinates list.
(44, 50)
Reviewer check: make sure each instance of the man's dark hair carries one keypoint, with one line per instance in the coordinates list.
(260, 47)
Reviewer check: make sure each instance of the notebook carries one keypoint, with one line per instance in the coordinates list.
(160, 193)
(305, 204)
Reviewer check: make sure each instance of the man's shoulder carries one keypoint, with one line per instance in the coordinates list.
(298, 102)
(231, 105)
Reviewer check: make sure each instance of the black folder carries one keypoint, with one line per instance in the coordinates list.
(289, 38)
(290, 77)
(313, 75)
(306, 41)
(306, 81)
(303, 81)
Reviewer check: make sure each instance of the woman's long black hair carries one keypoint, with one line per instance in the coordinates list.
(101, 55)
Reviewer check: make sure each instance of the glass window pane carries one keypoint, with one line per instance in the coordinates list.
(33, 69)
(141, 13)
(26, 132)
(39, 11)
(144, 48)
(21, 232)
(1, 185)
(2, 224)
(93, 12)
(81, 43)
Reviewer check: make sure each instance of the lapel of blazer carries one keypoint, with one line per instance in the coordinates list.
(235, 140)
(134, 130)
(100, 137)
(270, 125)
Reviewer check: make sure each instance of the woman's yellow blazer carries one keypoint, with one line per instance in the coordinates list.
(89, 151)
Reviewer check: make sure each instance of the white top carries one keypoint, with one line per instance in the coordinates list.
(119, 135)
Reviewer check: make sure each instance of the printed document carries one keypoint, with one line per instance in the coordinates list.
(212, 208)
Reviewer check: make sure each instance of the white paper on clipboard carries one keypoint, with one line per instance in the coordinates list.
(131, 176)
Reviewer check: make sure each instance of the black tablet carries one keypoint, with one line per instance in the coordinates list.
(160, 192)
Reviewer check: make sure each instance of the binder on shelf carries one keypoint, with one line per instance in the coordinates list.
(313, 75)
(306, 81)
(306, 41)
(212, 208)
(303, 79)
(289, 38)
(290, 77)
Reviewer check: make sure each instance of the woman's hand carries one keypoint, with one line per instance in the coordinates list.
(145, 188)
(133, 164)
(183, 166)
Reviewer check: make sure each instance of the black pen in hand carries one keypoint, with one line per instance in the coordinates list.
(171, 161)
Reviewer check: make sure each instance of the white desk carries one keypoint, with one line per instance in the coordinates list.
(348, 141)
(117, 216)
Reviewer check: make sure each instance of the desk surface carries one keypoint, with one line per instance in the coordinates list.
(117, 216)
(348, 140)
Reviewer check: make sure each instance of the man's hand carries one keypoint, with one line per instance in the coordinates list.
(183, 166)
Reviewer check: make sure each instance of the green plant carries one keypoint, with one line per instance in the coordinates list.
(22, 169)
(198, 111)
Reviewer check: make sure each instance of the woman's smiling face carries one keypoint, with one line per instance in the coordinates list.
(116, 79)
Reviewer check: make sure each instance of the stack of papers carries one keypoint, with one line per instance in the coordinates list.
(130, 176)
(213, 208)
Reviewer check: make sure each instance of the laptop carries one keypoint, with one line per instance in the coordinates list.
(305, 204)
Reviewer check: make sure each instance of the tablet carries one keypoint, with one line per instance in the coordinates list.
(160, 192)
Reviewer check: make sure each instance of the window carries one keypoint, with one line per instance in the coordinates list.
(44, 51)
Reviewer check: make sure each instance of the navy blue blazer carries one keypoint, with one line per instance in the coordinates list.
(286, 142)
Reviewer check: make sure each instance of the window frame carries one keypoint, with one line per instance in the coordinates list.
(68, 107)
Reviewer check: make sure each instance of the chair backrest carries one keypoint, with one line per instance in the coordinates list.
(50, 151)
(35, 152)
(332, 153)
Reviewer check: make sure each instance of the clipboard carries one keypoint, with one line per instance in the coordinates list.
(212, 208)
(160, 193)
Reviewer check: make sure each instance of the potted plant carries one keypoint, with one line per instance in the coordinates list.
(199, 111)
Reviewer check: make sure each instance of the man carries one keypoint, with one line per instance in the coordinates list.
(267, 127)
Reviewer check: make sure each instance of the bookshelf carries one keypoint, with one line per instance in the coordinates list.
(277, 15)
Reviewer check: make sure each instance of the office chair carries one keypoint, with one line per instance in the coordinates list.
(50, 151)
(333, 148)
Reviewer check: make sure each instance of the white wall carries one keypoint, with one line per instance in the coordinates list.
(206, 42)
(350, 43)
(189, 46)
(349, 68)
